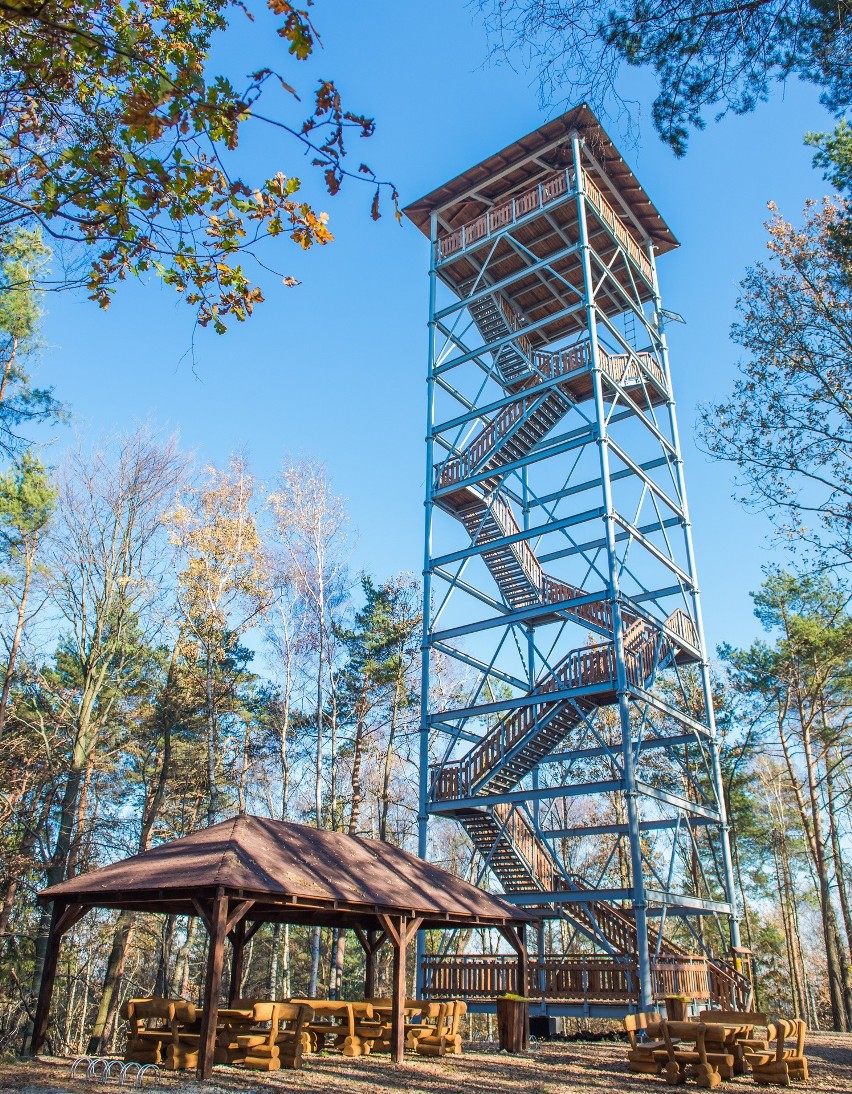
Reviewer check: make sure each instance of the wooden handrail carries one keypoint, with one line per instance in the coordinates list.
(549, 366)
(527, 843)
(581, 667)
(569, 977)
(609, 217)
(508, 212)
(645, 646)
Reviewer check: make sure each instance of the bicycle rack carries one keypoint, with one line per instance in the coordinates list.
(106, 1069)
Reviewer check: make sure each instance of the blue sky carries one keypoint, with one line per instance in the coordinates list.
(334, 369)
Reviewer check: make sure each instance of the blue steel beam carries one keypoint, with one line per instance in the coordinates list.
(615, 305)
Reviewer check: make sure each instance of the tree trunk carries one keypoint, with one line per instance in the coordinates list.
(387, 769)
(182, 980)
(124, 930)
(214, 798)
(16, 637)
(316, 937)
(836, 979)
(840, 876)
(162, 985)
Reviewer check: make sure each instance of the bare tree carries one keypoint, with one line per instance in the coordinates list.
(310, 533)
(106, 555)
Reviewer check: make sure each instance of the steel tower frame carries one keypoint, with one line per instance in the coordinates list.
(567, 718)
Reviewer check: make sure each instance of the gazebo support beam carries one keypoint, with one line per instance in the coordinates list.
(61, 921)
(400, 930)
(516, 937)
(219, 925)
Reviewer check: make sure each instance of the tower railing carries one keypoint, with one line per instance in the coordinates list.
(624, 369)
(576, 978)
(508, 212)
(537, 197)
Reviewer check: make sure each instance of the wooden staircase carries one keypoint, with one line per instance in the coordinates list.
(523, 863)
(495, 319)
(503, 833)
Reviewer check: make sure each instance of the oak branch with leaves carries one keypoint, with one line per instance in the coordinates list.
(115, 138)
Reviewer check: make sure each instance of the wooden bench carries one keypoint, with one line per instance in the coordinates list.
(231, 1022)
(776, 1063)
(709, 1068)
(644, 1034)
(281, 1045)
(444, 1038)
(421, 1018)
(162, 1031)
(338, 1019)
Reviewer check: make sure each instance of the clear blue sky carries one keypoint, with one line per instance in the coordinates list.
(335, 369)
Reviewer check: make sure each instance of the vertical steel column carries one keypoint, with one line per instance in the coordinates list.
(628, 769)
(531, 675)
(422, 814)
(706, 683)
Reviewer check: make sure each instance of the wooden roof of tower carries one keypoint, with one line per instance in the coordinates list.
(533, 157)
(293, 873)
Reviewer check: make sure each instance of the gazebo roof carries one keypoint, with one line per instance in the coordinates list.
(292, 872)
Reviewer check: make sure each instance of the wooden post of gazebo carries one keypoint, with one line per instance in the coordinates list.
(216, 929)
(400, 930)
(61, 921)
(219, 925)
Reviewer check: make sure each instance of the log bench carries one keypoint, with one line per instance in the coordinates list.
(444, 1038)
(337, 1019)
(422, 1017)
(778, 1063)
(162, 1031)
(645, 1037)
(739, 1044)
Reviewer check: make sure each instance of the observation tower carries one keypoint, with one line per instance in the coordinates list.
(567, 720)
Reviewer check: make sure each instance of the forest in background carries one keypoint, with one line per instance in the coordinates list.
(183, 645)
(182, 642)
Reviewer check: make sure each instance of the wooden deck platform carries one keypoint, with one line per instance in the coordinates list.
(573, 983)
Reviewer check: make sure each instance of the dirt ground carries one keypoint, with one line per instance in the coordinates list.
(550, 1068)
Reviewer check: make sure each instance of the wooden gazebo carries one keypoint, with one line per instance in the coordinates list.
(249, 870)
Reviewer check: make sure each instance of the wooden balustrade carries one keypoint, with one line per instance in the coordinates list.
(626, 368)
(502, 513)
(583, 667)
(537, 197)
(553, 590)
(623, 368)
(609, 217)
(580, 668)
(729, 988)
(682, 625)
(506, 213)
(515, 323)
(469, 977)
(533, 850)
(460, 467)
(562, 362)
(576, 978)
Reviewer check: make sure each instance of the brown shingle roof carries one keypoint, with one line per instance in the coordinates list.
(524, 162)
(290, 870)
